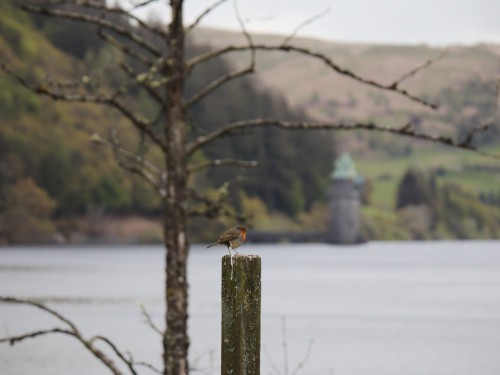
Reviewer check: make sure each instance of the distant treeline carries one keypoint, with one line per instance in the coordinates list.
(427, 208)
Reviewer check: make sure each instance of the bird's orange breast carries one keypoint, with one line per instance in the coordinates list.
(243, 235)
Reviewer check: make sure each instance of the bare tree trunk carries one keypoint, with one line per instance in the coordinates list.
(175, 341)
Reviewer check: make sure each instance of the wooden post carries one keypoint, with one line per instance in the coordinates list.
(241, 295)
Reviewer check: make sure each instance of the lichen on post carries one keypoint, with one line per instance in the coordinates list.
(241, 311)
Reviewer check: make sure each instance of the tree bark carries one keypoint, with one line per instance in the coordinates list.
(175, 341)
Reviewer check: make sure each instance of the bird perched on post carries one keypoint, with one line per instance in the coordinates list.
(232, 238)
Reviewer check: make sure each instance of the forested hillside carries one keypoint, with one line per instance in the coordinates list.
(51, 175)
(57, 184)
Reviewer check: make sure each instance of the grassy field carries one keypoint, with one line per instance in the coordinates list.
(468, 169)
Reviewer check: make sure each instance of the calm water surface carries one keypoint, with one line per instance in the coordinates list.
(378, 309)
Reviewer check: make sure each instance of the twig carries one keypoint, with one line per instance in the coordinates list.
(143, 80)
(96, 5)
(304, 24)
(301, 364)
(270, 359)
(204, 14)
(216, 84)
(98, 21)
(120, 355)
(232, 75)
(404, 130)
(144, 3)
(73, 331)
(317, 56)
(485, 125)
(39, 306)
(12, 340)
(149, 320)
(149, 366)
(246, 34)
(133, 162)
(467, 141)
(419, 68)
(123, 47)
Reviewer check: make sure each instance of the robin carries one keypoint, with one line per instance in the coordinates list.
(232, 238)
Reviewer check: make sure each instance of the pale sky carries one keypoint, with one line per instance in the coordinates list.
(436, 22)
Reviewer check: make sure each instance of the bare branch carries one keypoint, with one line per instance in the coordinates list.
(123, 47)
(317, 56)
(144, 3)
(229, 76)
(419, 68)
(148, 365)
(120, 355)
(203, 14)
(39, 306)
(143, 79)
(466, 143)
(217, 83)
(140, 124)
(149, 321)
(304, 360)
(99, 21)
(304, 24)
(485, 125)
(270, 359)
(12, 340)
(247, 36)
(222, 163)
(92, 4)
(405, 130)
(74, 332)
(133, 162)
(111, 100)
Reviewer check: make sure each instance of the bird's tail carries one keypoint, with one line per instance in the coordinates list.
(215, 243)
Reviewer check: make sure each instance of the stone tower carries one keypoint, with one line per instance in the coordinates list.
(344, 225)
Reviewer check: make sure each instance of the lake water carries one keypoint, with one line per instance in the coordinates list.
(379, 309)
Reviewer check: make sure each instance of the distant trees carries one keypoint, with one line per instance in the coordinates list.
(427, 209)
(415, 189)
(27, 214)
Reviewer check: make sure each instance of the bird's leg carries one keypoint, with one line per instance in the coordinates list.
(231, 258)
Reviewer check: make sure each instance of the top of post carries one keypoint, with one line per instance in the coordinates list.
(237, 258)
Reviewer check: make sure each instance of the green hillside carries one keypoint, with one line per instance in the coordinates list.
(472, 171)
(81, 193)
(45, 147)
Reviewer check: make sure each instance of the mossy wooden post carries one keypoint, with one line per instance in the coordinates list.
(241, 295)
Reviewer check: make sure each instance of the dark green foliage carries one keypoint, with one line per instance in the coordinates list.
(415, 189)
(428, 209)
(26, 217)
(466, 216)
(294, 165)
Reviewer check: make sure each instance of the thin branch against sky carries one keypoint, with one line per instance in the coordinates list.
(437, 22)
